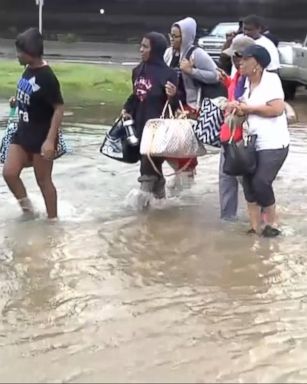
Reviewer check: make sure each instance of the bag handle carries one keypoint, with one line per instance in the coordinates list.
(182, 169)
(199, 101)
(170, 112)
(182, 108)
(233, 129)
(199, 90)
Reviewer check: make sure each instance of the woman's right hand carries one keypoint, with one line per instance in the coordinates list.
(237, 108)
(170, 89)
(12, 102)
(232, 106)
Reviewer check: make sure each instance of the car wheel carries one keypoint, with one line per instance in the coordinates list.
(289, 89)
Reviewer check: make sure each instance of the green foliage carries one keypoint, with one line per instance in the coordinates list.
(82, 84)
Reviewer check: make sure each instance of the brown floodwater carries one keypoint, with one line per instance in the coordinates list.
(111, 294)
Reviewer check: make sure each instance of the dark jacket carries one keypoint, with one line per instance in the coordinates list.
(149, 79)
(272, 37)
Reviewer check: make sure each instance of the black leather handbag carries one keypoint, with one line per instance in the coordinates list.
(240, 157)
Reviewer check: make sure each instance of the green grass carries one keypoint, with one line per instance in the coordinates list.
(82, 84)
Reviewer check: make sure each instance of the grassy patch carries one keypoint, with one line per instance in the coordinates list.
(82, 84)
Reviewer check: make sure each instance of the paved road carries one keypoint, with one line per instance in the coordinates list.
(106, 53)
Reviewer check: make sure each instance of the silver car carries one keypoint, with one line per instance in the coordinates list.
(214, 41)
(293, 71)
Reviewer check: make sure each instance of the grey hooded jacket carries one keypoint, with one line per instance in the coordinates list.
(205, 70)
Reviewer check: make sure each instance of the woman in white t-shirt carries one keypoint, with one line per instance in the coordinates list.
(263, 104)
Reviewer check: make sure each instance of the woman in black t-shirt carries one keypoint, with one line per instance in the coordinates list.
(40, 107)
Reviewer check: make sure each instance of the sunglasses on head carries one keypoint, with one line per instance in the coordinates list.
(238, 55)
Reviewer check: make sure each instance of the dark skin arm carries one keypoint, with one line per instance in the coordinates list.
(273, 108)
(48, 148)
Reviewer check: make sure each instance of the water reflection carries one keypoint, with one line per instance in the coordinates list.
(109, 294)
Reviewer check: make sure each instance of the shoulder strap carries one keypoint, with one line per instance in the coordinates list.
(197, 84)
(190, 52)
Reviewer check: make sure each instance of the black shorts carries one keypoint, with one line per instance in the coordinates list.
(30, 141)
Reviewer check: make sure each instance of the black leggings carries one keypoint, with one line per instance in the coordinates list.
(258, 187)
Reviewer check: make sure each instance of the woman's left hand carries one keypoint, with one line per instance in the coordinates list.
(48, 150)
(170, 89)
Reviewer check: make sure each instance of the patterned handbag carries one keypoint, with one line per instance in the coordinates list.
(62, 146)
(208, 125)
(170, 137)
(11, 129)
(8, 134)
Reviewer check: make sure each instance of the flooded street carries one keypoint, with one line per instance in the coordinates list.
(109, 294)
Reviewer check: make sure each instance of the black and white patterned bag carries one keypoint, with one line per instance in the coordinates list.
(207, 128)
(10, 131)
(8, 134)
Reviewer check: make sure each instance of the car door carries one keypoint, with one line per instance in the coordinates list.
(303, 63)
(297, 61)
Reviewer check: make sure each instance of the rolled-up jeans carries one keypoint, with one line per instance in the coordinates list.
(147, 169)
(228, 191)
(258, 188)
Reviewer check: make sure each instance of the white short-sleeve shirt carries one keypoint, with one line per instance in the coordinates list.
(272, 132)
(273, 51)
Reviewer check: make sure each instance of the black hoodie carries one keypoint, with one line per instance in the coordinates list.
(149, 80)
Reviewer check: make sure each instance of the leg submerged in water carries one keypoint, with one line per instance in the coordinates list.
(270, 229)
(255, 217)
(269, 164)
(154, 185)
(43, 174)
(186, 171)
(229, 194)
(16, 161)
(259, 193)
(159, 189)
(151, 179)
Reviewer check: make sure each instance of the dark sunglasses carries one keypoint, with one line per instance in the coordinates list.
(238, 55)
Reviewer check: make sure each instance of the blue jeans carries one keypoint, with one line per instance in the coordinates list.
(229, 193)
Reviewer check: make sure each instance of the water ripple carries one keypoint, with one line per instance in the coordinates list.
(112, 294)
